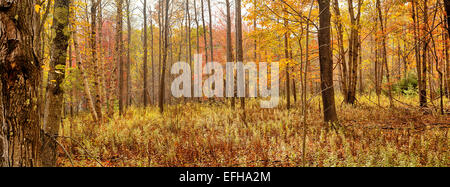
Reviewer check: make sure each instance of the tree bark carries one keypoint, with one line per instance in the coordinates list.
(55, 93)
(286, 54)
(447, 10)
(239, 47)
(93, 42)
(164, 56)
(4, 155)
(145, 91)
(128, 82)
(119, 51)
(86, 88)
(211, 43)
(326, 62)
(230, 45)
(354, 45)
(153, 58)
(204, 31)
(384, 50)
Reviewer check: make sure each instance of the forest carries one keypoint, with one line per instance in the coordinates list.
(224, 83)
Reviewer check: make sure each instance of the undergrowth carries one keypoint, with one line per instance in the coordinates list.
(211, 134)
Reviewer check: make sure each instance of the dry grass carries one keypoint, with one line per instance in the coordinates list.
(196, 134)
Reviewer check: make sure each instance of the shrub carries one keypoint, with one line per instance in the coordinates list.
(408, 85)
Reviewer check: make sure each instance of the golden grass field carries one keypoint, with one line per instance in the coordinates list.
(205, 134)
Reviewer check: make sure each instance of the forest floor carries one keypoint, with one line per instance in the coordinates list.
(211, 134)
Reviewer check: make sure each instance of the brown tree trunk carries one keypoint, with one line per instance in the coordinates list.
(340, 41)
(354, 45)
(55, 93)
(239, 47)
(211, 43)
(164, 55)
(153, 59)
(286, 54)
(104, 96)
(447, 10)
(384, 50)
(189, 48)
(204, 30)
(119, 50)
(93, 42)
(127, 93)
(326, 62)
(230, 46)
(423, 89)
(145, 91)
(4, 155)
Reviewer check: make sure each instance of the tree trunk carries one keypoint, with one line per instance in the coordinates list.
(423, 89)
(127, 93)
(204, 30)
(350, 95)
(4, 155)
(326, 62)
(447, 10)
(189, 49)
(230, 46)
(239, 47)
(153, 58)
(384, 50)
(93, 42)
(145, 92)
(164, 56)
(286, 54)
(119, 50)
(211, 43)
(86, 88)
(55, 93)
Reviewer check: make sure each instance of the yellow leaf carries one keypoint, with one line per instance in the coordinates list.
(37, 8)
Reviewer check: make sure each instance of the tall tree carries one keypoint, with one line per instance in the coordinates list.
(127, 93)
(286, 54)
(230, 45)
(326, 62)
(119, 55)
(86, 89)
(353, 52)
(384, 50)
(424, 69)
(166, 23)
(239, 46)
(211, 43)
(145, 91)
(93, 45)
(447, 10)
(188, 40)
(55, 93)
(204, 30)
(152, 57)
